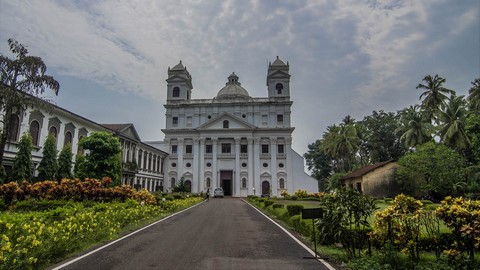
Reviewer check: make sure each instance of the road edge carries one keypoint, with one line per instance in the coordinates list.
(292, 236)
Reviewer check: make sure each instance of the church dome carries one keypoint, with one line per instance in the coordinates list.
(232, 89)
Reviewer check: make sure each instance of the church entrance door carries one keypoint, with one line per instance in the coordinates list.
(226, 178)
(265, 188)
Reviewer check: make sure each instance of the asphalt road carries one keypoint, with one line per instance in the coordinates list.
(218, 234)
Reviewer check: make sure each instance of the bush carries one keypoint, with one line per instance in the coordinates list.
(277, 205)
(293, 198)
(169, 198)
(267, 203)
(252, 197)
(177, 196)
(42, 205)
(294, 209)
(300, 225)
(425, 202)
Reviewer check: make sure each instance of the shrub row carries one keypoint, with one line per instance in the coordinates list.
(76, 190)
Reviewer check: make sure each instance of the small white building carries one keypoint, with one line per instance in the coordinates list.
(234, 141)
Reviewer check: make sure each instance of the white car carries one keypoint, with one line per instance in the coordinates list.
(218, 192)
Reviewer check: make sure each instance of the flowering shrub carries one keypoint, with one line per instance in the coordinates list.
(463, 218)
(33, 240)
(399, 224)
(89, 189)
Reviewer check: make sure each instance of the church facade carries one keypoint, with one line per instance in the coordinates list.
(234, 141)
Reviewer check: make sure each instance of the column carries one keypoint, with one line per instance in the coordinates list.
(273, 166)
(201, 171)
(180, 150)
(195, 177)
(289, 166)
(236, 180)
(256, 172)
(250, 166)
(215, 177)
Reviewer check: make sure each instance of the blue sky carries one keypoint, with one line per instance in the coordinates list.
(346, 57)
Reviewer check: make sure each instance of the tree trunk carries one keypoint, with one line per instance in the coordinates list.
(5, 131)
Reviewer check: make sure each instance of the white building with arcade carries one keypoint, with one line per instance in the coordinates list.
(234, 141)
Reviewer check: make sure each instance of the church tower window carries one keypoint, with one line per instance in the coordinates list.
(279, 88)
(176, 92)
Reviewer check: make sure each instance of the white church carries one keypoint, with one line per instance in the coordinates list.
(234, 141)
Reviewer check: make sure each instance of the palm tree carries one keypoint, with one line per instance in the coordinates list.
(474, 95)
(341, 144)
(452, 128)
(415, 127)
(435, 94)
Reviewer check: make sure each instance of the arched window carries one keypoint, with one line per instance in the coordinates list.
(35, 131)
(14, 127)
(176, 91)
(225, 124)
(53, 131)
(140, 159)
(80, 148)
(172, 182)
(68, 138)
(282, 183)
(209, 182)
(244, 182)
(279, 88)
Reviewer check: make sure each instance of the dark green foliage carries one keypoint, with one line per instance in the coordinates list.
(22, 166)
(378, 138)
(300, 225)
(65, 162)
(104, 159)
(80, 167)
(335, 181)
(344, 220)
(267, 203)
(177, 196)
(294, 209)
(319, 163)
(277, 205)
(432, 169)
(48, 166)
(181, 186)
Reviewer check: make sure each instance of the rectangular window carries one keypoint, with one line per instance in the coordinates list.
(280, 149)
(174, 149)
(265, 149)
(279, 118)
(243, 148)
(175, 121)
(226, 148)
(188, 148)
(208, 148)
(189, 121)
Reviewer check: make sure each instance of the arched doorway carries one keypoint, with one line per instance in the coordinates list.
(188, 186)
(265, 188)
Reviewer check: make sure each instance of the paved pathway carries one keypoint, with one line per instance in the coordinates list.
(218, 234)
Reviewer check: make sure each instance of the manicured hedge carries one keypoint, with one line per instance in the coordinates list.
(294, 209)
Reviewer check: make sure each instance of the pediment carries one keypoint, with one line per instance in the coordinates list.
(131, 133)
(233, 123)
(278, 74)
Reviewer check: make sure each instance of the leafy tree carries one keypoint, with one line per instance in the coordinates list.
(472, 129)
(65, 162)
(379, 138)
(474, 95)
(22, 166)
(181, 187)
(341, 144)
(335, 181)
(414, 127)
(48, 166)
(452, 127)
(80, 166)
(433, 169)
(104, 159)
(435, 94)
(23, 75)
(318, 163)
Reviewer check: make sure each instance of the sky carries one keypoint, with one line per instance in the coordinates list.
(346, 57)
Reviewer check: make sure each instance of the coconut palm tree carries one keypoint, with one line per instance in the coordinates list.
(415, 127)
(341, 144)
(434, 94)
(474, 95)
(452, 127)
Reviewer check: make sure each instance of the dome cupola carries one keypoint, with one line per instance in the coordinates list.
(232, 89)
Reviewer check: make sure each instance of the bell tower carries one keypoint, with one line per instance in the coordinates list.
(179, 83)
(278, 79)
